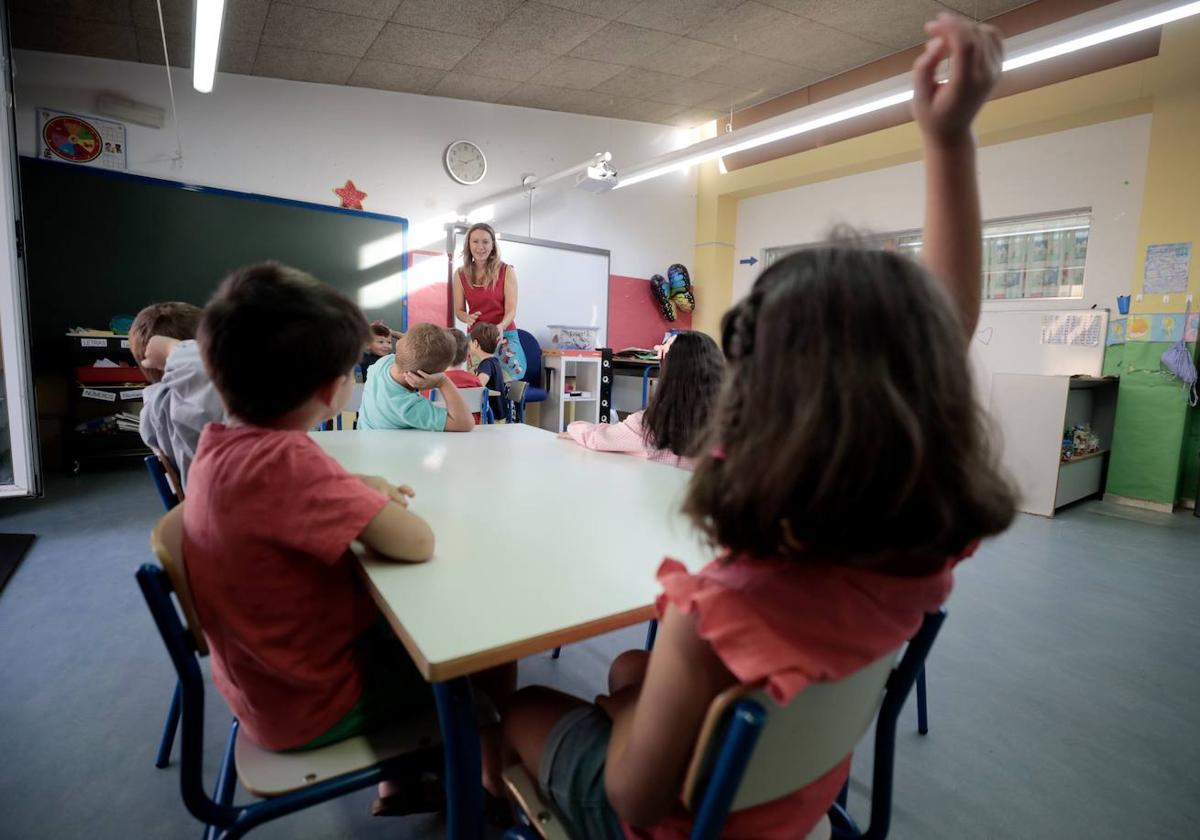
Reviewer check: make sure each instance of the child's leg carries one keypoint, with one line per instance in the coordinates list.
(528, 719)
(628, 669)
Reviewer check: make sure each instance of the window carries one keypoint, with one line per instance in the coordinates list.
(1031, 258)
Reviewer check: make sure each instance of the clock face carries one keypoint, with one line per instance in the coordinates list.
(465, 162)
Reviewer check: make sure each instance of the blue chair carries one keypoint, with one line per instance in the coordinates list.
(158, 475)
(534, 392)
(734, 768)
(289, 781)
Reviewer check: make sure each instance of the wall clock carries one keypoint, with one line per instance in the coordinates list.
(465, 162)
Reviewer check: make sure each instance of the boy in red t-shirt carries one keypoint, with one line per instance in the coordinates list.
(297, 651)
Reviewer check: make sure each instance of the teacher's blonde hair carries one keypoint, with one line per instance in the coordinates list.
(492, 267)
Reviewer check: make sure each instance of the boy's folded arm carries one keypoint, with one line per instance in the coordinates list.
(458, 418)
(399, 534)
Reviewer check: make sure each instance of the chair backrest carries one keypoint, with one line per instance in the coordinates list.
(355, 401)
(475, 398)
(801, 741)
(533, 358)
(157, 465)
(167, 542)
(733, 768)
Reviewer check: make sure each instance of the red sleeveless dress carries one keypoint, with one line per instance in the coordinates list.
(488, 301)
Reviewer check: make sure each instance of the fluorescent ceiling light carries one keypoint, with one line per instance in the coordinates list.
(756, 136)
(206, 43)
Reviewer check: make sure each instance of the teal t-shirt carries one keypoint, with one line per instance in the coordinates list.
(386, 404)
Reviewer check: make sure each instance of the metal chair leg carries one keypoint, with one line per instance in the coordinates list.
(922, 709)
(172, 723)
(651, 633)
(557, 653)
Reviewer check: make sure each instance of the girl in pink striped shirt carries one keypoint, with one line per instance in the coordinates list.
(669, 428)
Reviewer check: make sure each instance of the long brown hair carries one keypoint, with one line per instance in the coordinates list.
(492, 267)
(683, 400)
(847, 430)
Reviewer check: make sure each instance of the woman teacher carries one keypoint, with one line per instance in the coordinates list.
(485, 291)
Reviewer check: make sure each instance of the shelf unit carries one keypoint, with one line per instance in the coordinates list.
(1031, 412)
(585, 369)
(93, 401)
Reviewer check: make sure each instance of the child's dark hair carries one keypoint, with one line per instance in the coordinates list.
(847, 430)
(427, 347)
(688, 383)
(488, 336)
(316, 332)
(174, 319)
(461, 345)
(381, 330)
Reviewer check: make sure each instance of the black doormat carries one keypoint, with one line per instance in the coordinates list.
(12, 549)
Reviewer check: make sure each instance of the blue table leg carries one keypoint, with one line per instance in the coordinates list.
(646, 383)
(922, 708)
(464, 765)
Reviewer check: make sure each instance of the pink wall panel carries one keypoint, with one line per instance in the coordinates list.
(634, 319)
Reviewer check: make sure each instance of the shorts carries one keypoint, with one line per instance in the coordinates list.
(393, 689)
(572, 774)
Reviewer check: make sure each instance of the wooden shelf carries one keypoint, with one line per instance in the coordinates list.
(1077, 458)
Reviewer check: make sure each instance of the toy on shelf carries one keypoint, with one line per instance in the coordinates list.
(1079, 441)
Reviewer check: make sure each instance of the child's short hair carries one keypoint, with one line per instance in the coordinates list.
(174, 319)
(488, 336)
(461, 346)
(381, 330)
(317, 335)
(426, 347)
(847, 430)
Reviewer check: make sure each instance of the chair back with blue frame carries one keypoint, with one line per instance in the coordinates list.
(476, 399)
(293, 781)
(157, 467)
(533, 367)
(752, 751)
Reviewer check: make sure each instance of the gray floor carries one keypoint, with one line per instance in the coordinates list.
(1063, 690)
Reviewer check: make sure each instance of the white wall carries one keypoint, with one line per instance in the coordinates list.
(1101, 166)
(300, 140)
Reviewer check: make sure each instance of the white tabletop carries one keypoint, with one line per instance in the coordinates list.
(539, 541)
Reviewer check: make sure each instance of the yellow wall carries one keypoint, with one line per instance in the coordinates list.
(1167, 85)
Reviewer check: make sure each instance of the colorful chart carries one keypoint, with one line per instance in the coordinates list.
(83, 140)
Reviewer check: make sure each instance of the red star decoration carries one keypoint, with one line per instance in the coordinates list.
(351, 196)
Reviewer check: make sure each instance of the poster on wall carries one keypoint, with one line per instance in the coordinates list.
(1167, 268)
(84, 140)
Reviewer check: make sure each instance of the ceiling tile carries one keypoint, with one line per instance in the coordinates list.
(420, 47)
(243, 18)
(404, 78)
(685, 57)
(504, 61)
(637, 83)
(236, 56)
(57, 33)
(473, 18)
(896, 23)
(752, 71)
(109, 11)
(303, 65)
(547, 28)
(687, 92)
(677, 16)
(477, 88)
(620, 43)
(642, 110)
(738, 28)
(734, 99)
(547, 97)
(607, 9)
(302, 28)
(984, 9)
(378, 9)
(577, 73)
(692, 117)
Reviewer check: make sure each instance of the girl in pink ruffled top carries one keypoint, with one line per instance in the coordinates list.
(670, 428)
(846, 472)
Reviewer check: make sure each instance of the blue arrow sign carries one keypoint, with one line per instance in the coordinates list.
(749, 261)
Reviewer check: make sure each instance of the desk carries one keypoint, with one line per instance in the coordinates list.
(625, 366)
(572, 558)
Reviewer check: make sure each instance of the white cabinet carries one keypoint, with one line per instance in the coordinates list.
(581, 402)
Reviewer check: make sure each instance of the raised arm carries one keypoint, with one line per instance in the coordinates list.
(953, 246)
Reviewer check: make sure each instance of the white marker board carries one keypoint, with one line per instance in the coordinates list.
(557, 283)
(1011, 341)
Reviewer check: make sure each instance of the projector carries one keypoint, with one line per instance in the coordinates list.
(597, 179)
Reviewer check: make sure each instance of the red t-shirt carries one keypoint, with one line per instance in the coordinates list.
(266, 530)
(462, 378)
(488, 301)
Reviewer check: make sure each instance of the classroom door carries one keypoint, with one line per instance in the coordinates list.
(20, 473)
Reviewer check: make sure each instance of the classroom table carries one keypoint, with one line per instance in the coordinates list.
(638, 367)
(540, 543)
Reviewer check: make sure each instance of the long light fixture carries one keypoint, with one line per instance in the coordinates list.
(771, 132)
(207, 43)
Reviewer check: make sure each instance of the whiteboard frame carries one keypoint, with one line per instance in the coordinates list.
(454, 228)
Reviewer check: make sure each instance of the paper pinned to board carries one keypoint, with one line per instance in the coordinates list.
(1166, 269)
(1081, 330)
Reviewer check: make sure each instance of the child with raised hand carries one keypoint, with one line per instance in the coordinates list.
(180, 399)
(391, 397)
(840, 516)
(671, 427)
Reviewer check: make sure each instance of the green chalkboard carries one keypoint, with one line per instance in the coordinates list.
(99, 244)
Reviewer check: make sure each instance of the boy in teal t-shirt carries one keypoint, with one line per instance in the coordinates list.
(390, 397)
